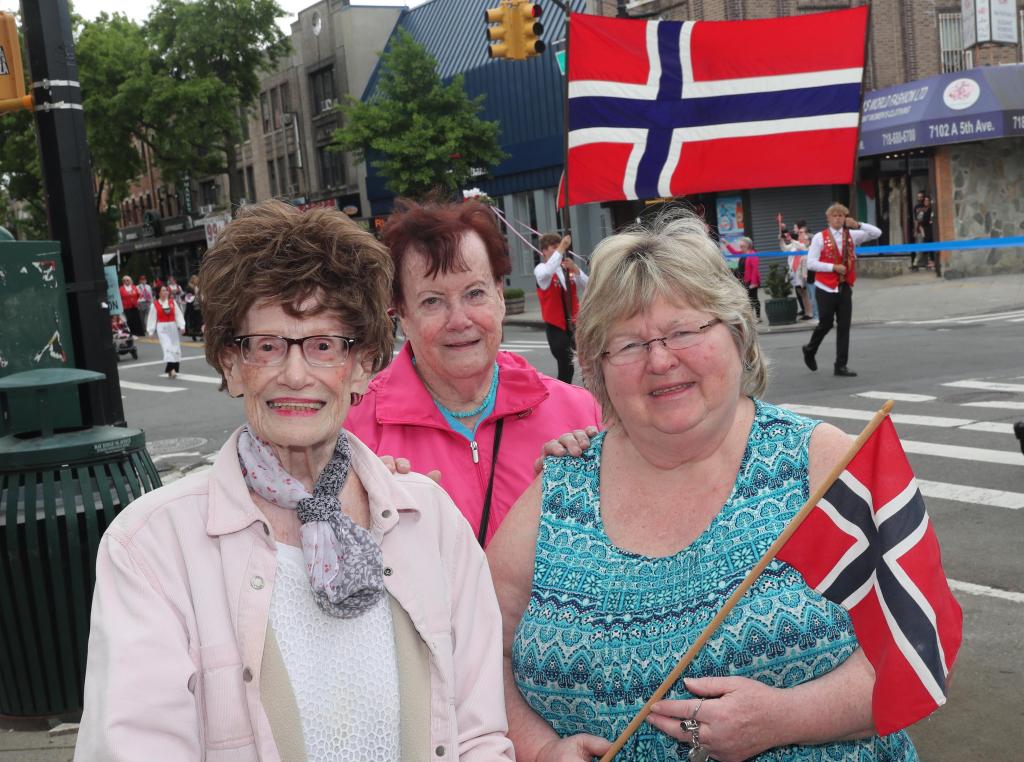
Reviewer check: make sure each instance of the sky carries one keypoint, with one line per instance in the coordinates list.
(139, 9)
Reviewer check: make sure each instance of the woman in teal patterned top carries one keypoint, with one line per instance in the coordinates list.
(613, 562)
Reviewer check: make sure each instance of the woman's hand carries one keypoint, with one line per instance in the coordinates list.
(573, 443)
(403, 466)
(578, 748)
(739, 717)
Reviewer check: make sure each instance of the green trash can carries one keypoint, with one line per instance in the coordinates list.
(58, 492)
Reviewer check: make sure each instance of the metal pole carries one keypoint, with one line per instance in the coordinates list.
(70, 200)
(566, 217)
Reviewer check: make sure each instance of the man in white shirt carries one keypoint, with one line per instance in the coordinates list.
(833, 257)
(560, 284)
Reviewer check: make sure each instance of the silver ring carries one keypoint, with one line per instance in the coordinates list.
(693, 728)
(699, 705)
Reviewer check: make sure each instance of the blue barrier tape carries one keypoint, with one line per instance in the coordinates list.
(907, 248)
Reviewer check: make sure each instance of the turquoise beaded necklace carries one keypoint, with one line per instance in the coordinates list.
(488, 400)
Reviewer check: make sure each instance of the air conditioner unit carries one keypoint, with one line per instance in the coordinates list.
(327, 104)
(205, 209)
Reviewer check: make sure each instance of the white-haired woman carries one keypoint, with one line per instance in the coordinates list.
(613, 562)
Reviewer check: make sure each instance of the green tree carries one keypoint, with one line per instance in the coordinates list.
(21, 186)
(428, 135)
(216, 50)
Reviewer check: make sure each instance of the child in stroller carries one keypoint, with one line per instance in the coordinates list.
(124, 342)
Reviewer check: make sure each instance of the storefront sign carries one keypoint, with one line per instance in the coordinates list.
(213, 226)
(1004, 21)
(969, 23)
(730, 218)
(327, 203)
(989, 21)
(113, 291)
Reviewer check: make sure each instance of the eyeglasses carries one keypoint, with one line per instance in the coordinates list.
(639, 350)
(319, 351)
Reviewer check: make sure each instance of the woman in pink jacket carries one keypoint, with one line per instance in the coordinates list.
(298, 601)
(451, 401)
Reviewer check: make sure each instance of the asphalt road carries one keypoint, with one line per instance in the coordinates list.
(967, 460)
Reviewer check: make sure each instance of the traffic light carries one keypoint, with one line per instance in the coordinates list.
(497, 31)
(12, 79)
(513, 31)
(530, 30)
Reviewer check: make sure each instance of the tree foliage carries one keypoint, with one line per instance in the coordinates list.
(418, 132)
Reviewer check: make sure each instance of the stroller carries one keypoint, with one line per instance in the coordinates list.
(124, 342)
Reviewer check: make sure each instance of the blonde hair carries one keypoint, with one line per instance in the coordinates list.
(837, 207)
(675, 259)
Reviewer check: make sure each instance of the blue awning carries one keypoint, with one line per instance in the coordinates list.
(959, 107)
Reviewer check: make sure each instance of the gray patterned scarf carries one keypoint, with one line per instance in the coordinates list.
(344, 562)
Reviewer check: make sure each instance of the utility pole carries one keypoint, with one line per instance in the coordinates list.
(69, 192)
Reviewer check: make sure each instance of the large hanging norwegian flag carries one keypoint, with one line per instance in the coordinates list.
(869, 546)
(668, 108)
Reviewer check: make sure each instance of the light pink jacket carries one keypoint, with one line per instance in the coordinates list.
(179, 621)
(398, 417)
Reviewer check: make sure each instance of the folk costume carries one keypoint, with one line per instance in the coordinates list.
(167, 321)
(559, 303)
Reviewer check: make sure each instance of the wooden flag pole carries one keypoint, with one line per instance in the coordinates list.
(749, 580)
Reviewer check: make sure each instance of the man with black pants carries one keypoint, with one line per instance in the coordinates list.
(833, 257)
(559, 285)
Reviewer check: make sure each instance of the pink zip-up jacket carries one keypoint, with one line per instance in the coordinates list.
(184, 579)
(398, 417)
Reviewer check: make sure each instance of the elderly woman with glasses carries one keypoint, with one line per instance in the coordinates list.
(298, 601)
(615, 559)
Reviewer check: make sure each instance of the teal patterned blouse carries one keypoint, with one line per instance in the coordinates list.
(604, 626)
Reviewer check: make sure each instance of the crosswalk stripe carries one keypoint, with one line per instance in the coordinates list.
(199, 379)
(962, 318)
(990, 386)
(998, 404)
(993, 592)
(962, 493)
(149, 387)
(866, 415)
(130, 366)
(989, 427)
(895, 396)
(977, 454)
(1017, 320)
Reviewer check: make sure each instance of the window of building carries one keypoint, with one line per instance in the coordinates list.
(272, 177)
(293, 172)
(332, 167)
(286, 98)
(275, 105)
(208, 193)
(250, 183)
(243, 123)
(322, 84)
(265, 112)
(951, 43)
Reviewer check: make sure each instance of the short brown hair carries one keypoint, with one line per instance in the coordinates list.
(435, 230)
(549, 239)
(272, 252)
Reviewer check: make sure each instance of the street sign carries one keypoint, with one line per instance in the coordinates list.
(558, 46)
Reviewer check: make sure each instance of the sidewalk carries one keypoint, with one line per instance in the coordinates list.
(914, 296)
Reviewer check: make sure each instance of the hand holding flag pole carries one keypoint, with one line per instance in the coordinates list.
(906, 619)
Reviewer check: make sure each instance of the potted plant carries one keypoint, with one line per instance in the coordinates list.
(515, 301)
(781, 306)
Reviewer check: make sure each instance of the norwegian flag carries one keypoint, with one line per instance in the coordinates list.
(668, 108)
(869, 546)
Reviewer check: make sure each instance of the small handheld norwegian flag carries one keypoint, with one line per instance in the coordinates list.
(869, 546)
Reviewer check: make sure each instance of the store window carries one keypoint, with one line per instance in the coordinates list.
(332, 167)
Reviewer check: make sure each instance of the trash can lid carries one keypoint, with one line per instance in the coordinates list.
(100, 443)
(48, 377)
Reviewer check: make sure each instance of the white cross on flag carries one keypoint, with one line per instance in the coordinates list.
(869, 546)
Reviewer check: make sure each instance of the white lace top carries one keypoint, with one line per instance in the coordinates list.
(344, 672)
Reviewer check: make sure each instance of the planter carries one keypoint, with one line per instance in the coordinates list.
(515, 305)
(780, 311)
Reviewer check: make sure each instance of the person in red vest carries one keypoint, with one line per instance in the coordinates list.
(559, 286)
(833, 257)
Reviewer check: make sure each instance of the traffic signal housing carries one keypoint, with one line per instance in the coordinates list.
(12, 78)
(513, 31)
(530, 30)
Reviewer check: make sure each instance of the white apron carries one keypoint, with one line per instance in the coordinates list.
(170, 341)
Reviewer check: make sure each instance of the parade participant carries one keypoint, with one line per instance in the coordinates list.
(451, 401)
(559, 286)
(130, 305)
(298, 601)
(175, 289)
(167, 321)
(832, 255)
(193, 313)
(145, 299)
(612, 562)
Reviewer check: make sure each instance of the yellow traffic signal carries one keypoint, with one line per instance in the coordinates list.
(530, 30)
(497, 31)
(513, 31)
(12, 79)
